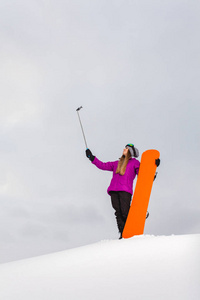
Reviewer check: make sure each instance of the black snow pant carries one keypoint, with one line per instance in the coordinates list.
(121, 203)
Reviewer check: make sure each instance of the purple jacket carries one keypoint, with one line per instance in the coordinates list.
(119, 182)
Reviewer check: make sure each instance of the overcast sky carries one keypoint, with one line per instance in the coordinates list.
(134, 66)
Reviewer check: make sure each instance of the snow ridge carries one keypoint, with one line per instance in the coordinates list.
(143, 267)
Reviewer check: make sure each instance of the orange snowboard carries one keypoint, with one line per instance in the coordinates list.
(137, 214)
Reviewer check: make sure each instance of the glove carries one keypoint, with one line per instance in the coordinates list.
(89, 154)
(157, 162)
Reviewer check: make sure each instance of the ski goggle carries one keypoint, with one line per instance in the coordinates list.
(130, 145)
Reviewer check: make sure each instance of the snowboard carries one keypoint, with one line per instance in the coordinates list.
(137, 214)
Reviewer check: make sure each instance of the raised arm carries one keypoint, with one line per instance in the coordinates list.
(106, 166)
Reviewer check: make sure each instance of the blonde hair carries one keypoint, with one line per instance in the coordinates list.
(122, 164)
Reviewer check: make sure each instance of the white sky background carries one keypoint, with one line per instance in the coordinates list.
(134, 66)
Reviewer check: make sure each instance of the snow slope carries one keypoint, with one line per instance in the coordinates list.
(144, 267)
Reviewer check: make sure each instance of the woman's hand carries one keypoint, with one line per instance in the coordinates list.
(89, 154)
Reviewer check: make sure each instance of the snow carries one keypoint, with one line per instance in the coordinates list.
(143, 267)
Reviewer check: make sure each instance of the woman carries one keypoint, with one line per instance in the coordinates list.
(121, 187)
